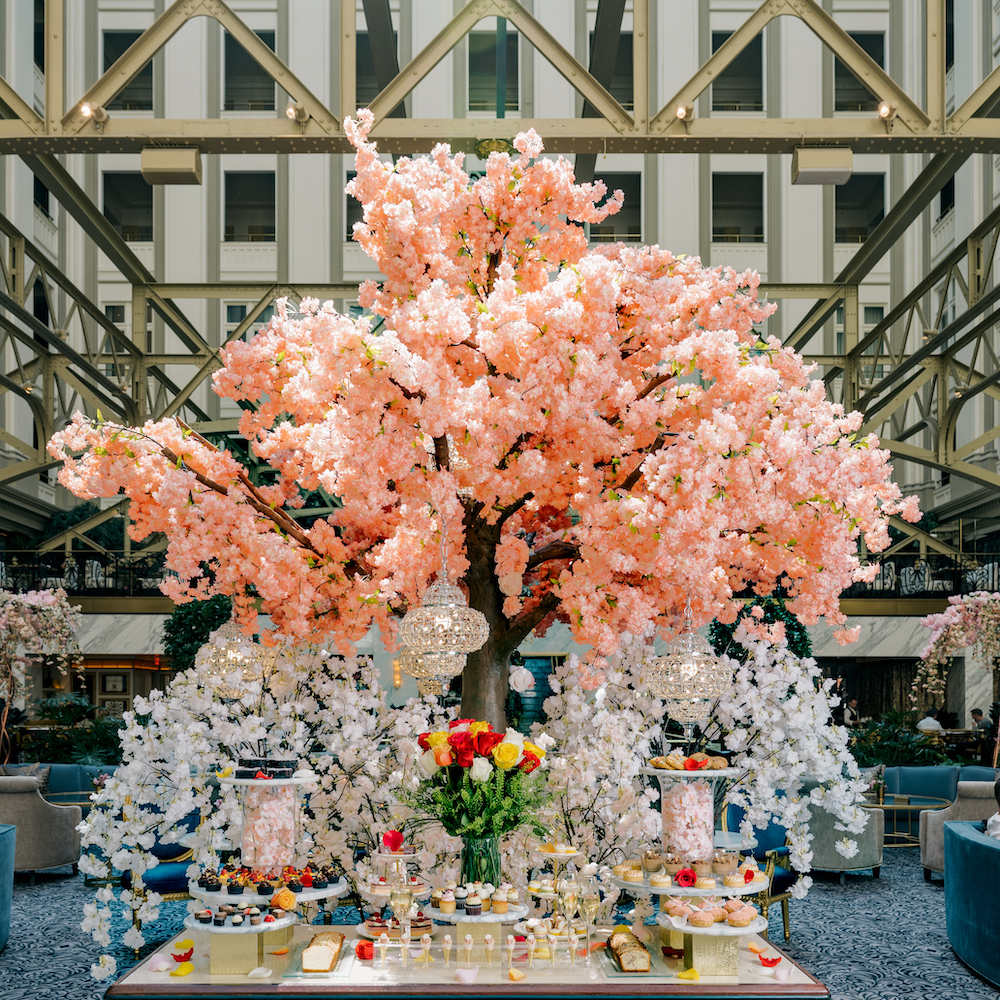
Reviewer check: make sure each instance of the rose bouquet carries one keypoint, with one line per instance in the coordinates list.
(479, 783)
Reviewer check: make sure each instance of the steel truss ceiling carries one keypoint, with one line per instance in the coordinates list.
(909, 394)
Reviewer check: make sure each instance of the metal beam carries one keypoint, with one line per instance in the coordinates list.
(603, 54)
(142, 50)
(385, 55)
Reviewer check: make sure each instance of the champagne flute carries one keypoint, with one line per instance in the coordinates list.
(401, 899)
(590, 901)
(568, 892)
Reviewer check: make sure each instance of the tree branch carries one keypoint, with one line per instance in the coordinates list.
(441, 456)
(634, 476)
(650, 386)
(510, 511)
(524, 623)
(554, 550)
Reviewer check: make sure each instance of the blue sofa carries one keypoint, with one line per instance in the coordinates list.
(933, 782)
(69, 784)
(971, 929)
(8, 834)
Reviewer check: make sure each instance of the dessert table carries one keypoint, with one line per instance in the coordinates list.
(354, 978)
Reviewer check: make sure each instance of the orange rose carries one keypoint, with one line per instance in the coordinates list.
(284, 899)
(443, 756)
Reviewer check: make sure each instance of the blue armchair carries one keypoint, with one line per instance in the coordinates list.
(772, 853)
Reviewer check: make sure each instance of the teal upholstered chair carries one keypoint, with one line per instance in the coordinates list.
(967, 901)
(8, 834)
(771, 853)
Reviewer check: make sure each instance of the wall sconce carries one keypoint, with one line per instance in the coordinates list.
(685, 113)
(94, 113)
(296, 112)
(887, 110)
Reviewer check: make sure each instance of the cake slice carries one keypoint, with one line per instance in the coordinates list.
(320, 955)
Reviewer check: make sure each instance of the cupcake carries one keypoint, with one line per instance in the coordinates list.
(461, 895)
(513, 897)
(500, 902)
(436, 899)
(447, 903)
(474, 904)
(234, 889)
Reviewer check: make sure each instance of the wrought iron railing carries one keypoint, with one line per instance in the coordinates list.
(84, 573)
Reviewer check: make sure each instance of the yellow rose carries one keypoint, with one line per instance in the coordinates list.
(436, 739)
(479, 727)
(505, 755)
(531, 748)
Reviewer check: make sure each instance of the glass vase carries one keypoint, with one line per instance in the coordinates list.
(481, 860)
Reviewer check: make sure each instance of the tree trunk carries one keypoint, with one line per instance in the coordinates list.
(484, 680)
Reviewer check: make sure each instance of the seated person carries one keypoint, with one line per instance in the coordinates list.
(992, 825)
(978, 722)
(929, 723)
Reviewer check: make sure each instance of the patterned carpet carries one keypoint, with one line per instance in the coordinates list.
(862, 940)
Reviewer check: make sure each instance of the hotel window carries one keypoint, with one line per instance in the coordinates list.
(620, 87)
(366, 84)
(138, 95)
(128, 206)
(626, 225)
(949, 34)
(740, 86)
(248, 86)
(249, 208)
(483, 71)
(41, 198)
(737, 208)
(849, 93)
(236, 313)
(39, 40)
(946, 199)
(860, 207)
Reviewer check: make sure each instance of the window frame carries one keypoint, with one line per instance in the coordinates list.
(754, 241)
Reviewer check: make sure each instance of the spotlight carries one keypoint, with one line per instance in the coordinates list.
(95, 113)
(296, 112)
(887, 110)
(684, 112)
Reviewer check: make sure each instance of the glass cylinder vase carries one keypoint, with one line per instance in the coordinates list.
(270, 821)
(481, 860)
(688, 810)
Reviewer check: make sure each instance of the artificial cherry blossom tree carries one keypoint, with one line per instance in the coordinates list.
(590, 435)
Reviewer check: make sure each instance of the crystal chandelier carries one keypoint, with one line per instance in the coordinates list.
(433, 672)
(235, 660)
(444, 624)
(689, 678)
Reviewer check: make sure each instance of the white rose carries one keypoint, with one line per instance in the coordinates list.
(481, 769)
(513, 736)
(521, 679)
(428, 764)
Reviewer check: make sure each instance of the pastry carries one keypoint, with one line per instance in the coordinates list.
(701, 918)
(733, 880)
(661, 881)
(701, 866)
(705, 882)
(743, 917)
(633, 875)
(629, 951)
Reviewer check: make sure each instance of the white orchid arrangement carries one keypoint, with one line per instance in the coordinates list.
(330, 713)
(327, 712)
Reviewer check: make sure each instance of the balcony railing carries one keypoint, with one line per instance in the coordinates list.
(83, 573)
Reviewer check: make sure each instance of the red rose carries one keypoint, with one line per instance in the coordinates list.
(365, 950)
(694, 765)
(422, 741)
(461, 743)
(484, 743)
(747, 877)
(460, 722)
(686, 878)
(529, 762)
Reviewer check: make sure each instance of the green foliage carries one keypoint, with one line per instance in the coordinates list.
(189, 627)
(64, 709)
(506, 801)
(720, 636)
(893, 741)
